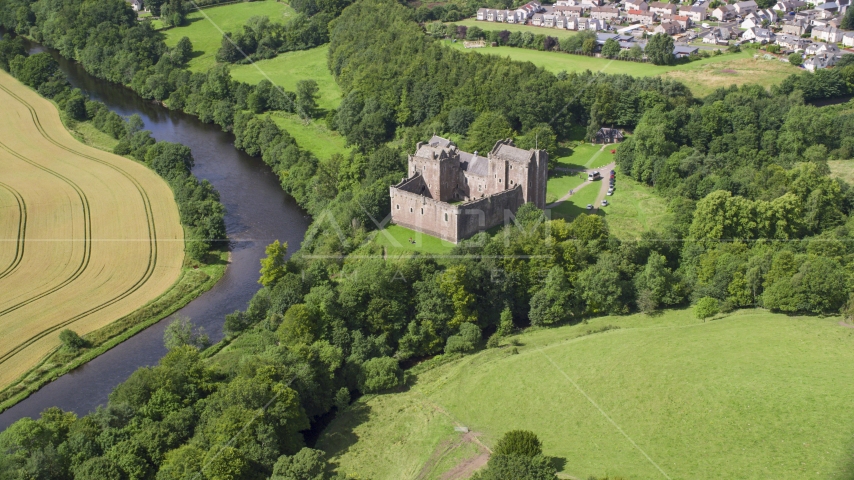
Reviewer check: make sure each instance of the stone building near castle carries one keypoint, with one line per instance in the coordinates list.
(452, 194)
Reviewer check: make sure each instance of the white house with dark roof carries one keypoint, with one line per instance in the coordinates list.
(819, 61)
(136, 5)
(827, 34)
(789, 5)
(848, 39)
(792, 42)
(743, 8)
(723, 12)
(661, 8)
(668, 28)
(758, 35)
(819, 48)
(696, 14)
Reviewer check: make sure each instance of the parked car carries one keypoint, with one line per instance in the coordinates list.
(604, 203)
(589, 206)
(594, 176)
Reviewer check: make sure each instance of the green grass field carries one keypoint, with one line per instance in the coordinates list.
(702, 76)
(560, 183)
(395, 240)
(289, 68)
(206, 37)
(633, 209)
(843, 169)
(314, 137)
(752, 395)
(552, 32)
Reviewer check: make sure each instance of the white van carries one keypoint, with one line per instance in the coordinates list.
(593, 176)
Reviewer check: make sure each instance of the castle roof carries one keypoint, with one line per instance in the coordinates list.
(507, 151)
(437, 141)
(474, 164)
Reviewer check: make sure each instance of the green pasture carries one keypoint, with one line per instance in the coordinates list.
(286, 69)
(750, 395)
(510, 27)
(560, 183)
(205, 26)
(314, 136)
(702, 76)
(634, 209)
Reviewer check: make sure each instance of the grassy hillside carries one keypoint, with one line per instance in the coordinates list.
(204, 27)
(750, 395)
(702, 76)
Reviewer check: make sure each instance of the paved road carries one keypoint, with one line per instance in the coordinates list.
(603, 189)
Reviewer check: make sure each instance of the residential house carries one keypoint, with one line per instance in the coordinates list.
(591, 3)
(696, 14)
(567, 23)
(723, 12)
(823, 60)
(848, 39)
(661, 8)
(789, 5)
(566, 3)
(668, 28)
(717, 36)
(831, 7)
(549, 20)
(758, 35)
(638, 16)
(591, 24)
(492, 15)
(501, 16)
(681, 51)
(537, 20)
(683, 21)
(743, 8)
(604, 13)
(136, 5)
(481, 14)
(819, 48)
(635, 5)
(608, 135)
(573, 11)
(792, 42)
(827, 34)
(795, 27)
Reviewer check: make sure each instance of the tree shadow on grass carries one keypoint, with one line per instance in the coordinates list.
(559, 463)
(340, 435)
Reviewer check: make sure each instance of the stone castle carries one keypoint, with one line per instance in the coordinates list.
(453, 194)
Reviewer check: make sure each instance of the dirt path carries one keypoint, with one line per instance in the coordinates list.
(466, 468)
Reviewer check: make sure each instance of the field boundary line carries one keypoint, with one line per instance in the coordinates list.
(607, 417)
(22, 230)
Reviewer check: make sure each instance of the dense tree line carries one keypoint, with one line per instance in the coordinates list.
(262, 39)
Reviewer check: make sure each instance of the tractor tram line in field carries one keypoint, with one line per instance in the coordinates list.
(22, 230)
(152, 237)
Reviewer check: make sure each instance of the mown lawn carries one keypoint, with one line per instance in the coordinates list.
(289, 68)
(396, 241)
(634, 209)
(560, 183)
(751, 395)
(843, 169)
(206, 37)
(701, 76)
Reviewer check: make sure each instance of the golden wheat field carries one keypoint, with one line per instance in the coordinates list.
(86, 236)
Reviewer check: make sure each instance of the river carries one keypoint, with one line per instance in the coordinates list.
(257, 213)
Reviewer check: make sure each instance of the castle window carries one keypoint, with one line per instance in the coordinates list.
(398, 206)
(446, 217)
(410, 209)
(422, 211)
(511, 182)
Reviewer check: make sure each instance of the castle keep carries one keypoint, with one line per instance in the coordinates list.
(453, 194)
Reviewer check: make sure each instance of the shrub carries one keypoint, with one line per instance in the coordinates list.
(519, 442)
(378, 374)
(796, 59)
(706, 307)
(71, 340)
